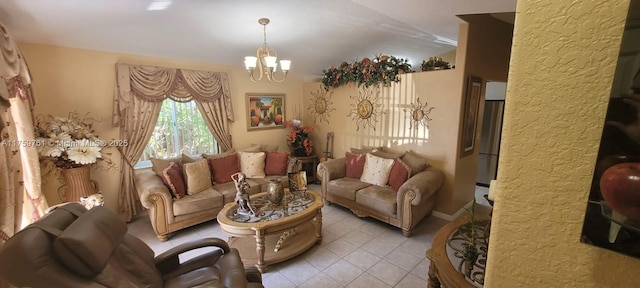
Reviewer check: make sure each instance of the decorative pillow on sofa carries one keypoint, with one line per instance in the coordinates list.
(415, 162)
(387, 154)
(252, 164)
(399, 174)
(355, 164)
(197, 175)
(376, 170)
(172, 177)
(276, 163)
(223, 167)
(160, 164)
(223, 154)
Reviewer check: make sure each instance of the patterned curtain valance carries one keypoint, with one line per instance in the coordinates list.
(154, 84)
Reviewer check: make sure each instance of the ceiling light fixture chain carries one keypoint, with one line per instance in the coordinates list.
(265, 61)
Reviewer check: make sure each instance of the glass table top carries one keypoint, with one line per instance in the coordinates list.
(292, 203)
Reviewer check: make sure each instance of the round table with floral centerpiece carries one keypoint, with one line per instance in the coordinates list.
(277, 232)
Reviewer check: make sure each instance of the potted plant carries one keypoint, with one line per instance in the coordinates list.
(434, 63)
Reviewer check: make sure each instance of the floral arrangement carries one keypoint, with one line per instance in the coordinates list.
(381, 69)
(299, 137)
(434, 63)
(67, 142)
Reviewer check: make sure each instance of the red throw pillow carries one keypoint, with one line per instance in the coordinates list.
(355, 165)
(276, 163)
(399, 174)
(172, 177)
(223, 167)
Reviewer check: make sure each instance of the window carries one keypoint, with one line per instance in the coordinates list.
(180, 130)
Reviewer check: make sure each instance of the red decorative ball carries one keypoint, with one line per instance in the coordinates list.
(620, 188)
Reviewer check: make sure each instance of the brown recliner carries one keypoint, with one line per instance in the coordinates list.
(73, 247)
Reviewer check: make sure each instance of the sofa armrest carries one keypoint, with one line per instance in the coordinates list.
(169, 261)
(151, 189)
(422, 185)
(333, 169)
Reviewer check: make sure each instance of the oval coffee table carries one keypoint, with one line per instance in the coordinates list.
(275, 234)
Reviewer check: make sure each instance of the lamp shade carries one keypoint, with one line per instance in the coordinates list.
(285, 65)
(270, 61)
(250, 62)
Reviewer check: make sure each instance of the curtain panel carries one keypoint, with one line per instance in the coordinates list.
(22, 201)
(139, 93)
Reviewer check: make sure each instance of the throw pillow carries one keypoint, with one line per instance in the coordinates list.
(399, 174)
(174, 179)
(415, 162)
(197, 175)
(223, 167)
(388, 154)
(223, 154)
(158, 165)
(256, 148)
(276, 163)
(355, 164)
(376, 170)
(252, 164)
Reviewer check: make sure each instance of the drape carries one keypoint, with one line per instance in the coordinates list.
(19, 152)
(140, 91)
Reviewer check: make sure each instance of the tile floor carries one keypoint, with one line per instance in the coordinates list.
(355, 252)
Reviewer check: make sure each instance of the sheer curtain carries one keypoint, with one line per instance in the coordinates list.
(21, 199)
(139, 93)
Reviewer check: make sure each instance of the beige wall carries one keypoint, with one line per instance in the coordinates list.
(561, 72)
(67, 80)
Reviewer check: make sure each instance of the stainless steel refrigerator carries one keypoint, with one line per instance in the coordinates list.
(490, 141)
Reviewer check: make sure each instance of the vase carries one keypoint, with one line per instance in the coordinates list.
(300, 152)
(77, 183)
(275, 191)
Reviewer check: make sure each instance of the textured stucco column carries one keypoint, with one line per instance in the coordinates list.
(562, 64)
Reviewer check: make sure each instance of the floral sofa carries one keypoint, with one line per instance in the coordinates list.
(183, 191)
(396, 188)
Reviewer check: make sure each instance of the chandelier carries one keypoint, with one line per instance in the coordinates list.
(264, 63)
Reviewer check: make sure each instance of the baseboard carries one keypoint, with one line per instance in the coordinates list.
(455, 215)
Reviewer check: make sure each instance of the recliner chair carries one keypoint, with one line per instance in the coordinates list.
(73, 247)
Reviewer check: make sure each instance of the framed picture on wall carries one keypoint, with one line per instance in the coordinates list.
(265, 111)
(470, 115)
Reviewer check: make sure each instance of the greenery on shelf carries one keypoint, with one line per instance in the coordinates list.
(434, 63)
(368, 72)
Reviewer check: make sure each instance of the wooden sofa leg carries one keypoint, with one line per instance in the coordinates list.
(406, 232)
(163, 238)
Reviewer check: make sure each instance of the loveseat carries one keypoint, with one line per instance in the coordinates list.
(396, 188)
(184, 191)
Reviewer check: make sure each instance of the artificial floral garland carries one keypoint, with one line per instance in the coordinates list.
(381, 69)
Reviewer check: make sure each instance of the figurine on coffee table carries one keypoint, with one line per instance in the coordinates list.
(242, 197)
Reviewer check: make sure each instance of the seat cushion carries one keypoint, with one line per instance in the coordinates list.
(345, 187)
(207, 199)
(381, 199)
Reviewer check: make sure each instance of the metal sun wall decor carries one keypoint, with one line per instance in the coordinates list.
(365, 109)
(418, 114)
(321, 105)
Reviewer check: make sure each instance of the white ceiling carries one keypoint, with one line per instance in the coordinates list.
(313, 34)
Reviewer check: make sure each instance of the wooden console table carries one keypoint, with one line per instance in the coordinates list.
(446, 262)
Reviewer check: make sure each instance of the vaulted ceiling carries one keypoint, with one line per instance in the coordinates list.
(313, 34)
